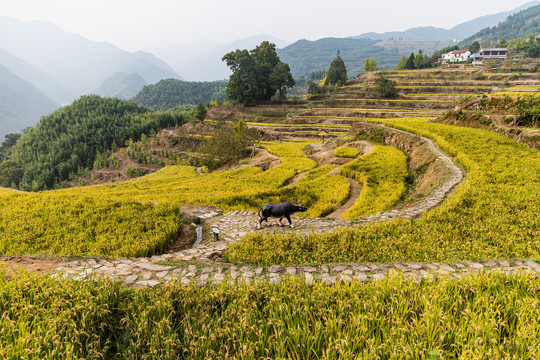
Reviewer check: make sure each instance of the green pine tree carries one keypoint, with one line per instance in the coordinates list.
(337, 73)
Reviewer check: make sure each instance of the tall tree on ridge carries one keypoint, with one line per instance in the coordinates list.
(257, 74)
(281, 79)
(266, 59)
(242, 85)
(337, 73)
(409, 65)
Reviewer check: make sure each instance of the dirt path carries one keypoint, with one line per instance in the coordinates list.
(12, 264)
(297, 178)
(356, 188)
(354, 193)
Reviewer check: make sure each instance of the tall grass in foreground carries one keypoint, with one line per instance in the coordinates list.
(489, 316)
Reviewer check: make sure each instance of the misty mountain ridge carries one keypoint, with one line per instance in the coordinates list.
(199, 62)
(121, 85)
(77, 63)
(46, 84)
(21, 103)
(461, 31)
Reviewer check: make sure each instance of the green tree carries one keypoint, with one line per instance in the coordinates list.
(199, 111)
(402, 63)
(9, 142)
(228, 143)
(533, 51)
(409, 65)
(257, 74)
(243, 87)
(386, 88)
(370, 65)
(419, 60)
(266, 59)
(337, 73)
(11, 173)
(475, 47)
(313, 89)
(281, 79)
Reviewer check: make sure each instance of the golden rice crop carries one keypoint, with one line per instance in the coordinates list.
(397, 100)
(482, 316)
(286, 149)
(54, 223)
(383, 174)
(346, 152)
(318, 172)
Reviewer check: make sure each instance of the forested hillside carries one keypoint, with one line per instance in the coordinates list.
(169, 93)
(526, 22)
(67, 141)
(305, 56)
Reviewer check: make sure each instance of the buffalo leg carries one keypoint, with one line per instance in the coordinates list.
(260, 222)
(290, 222)
(279, 222)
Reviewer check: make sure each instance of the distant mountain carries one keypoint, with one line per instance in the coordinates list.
(121, 85)
(197, 65)
(21, 104)
(526, 22)
(178, 55)
(46, 84)
(461, 31)
(305, 56)
(170, 93)
(75, 62)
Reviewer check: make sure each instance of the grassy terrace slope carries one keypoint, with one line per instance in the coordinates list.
(493, 214)
(142, 217)
(244, 189)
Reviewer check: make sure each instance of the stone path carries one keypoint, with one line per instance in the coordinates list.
(203, 262)
(435, 197)
(141, 272)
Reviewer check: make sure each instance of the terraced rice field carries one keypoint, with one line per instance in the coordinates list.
(492, 215)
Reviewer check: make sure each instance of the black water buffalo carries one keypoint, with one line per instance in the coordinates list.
(280, 210)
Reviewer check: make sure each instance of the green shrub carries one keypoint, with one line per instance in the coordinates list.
(136, 172)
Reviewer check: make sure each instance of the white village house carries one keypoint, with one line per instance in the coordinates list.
(456, 55)
(495, 53)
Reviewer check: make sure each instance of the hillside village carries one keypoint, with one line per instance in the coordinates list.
(134, 228)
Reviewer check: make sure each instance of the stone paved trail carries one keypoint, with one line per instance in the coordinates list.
(203, 262)
(141, 272)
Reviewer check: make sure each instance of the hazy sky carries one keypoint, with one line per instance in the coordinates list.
(137, 24)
